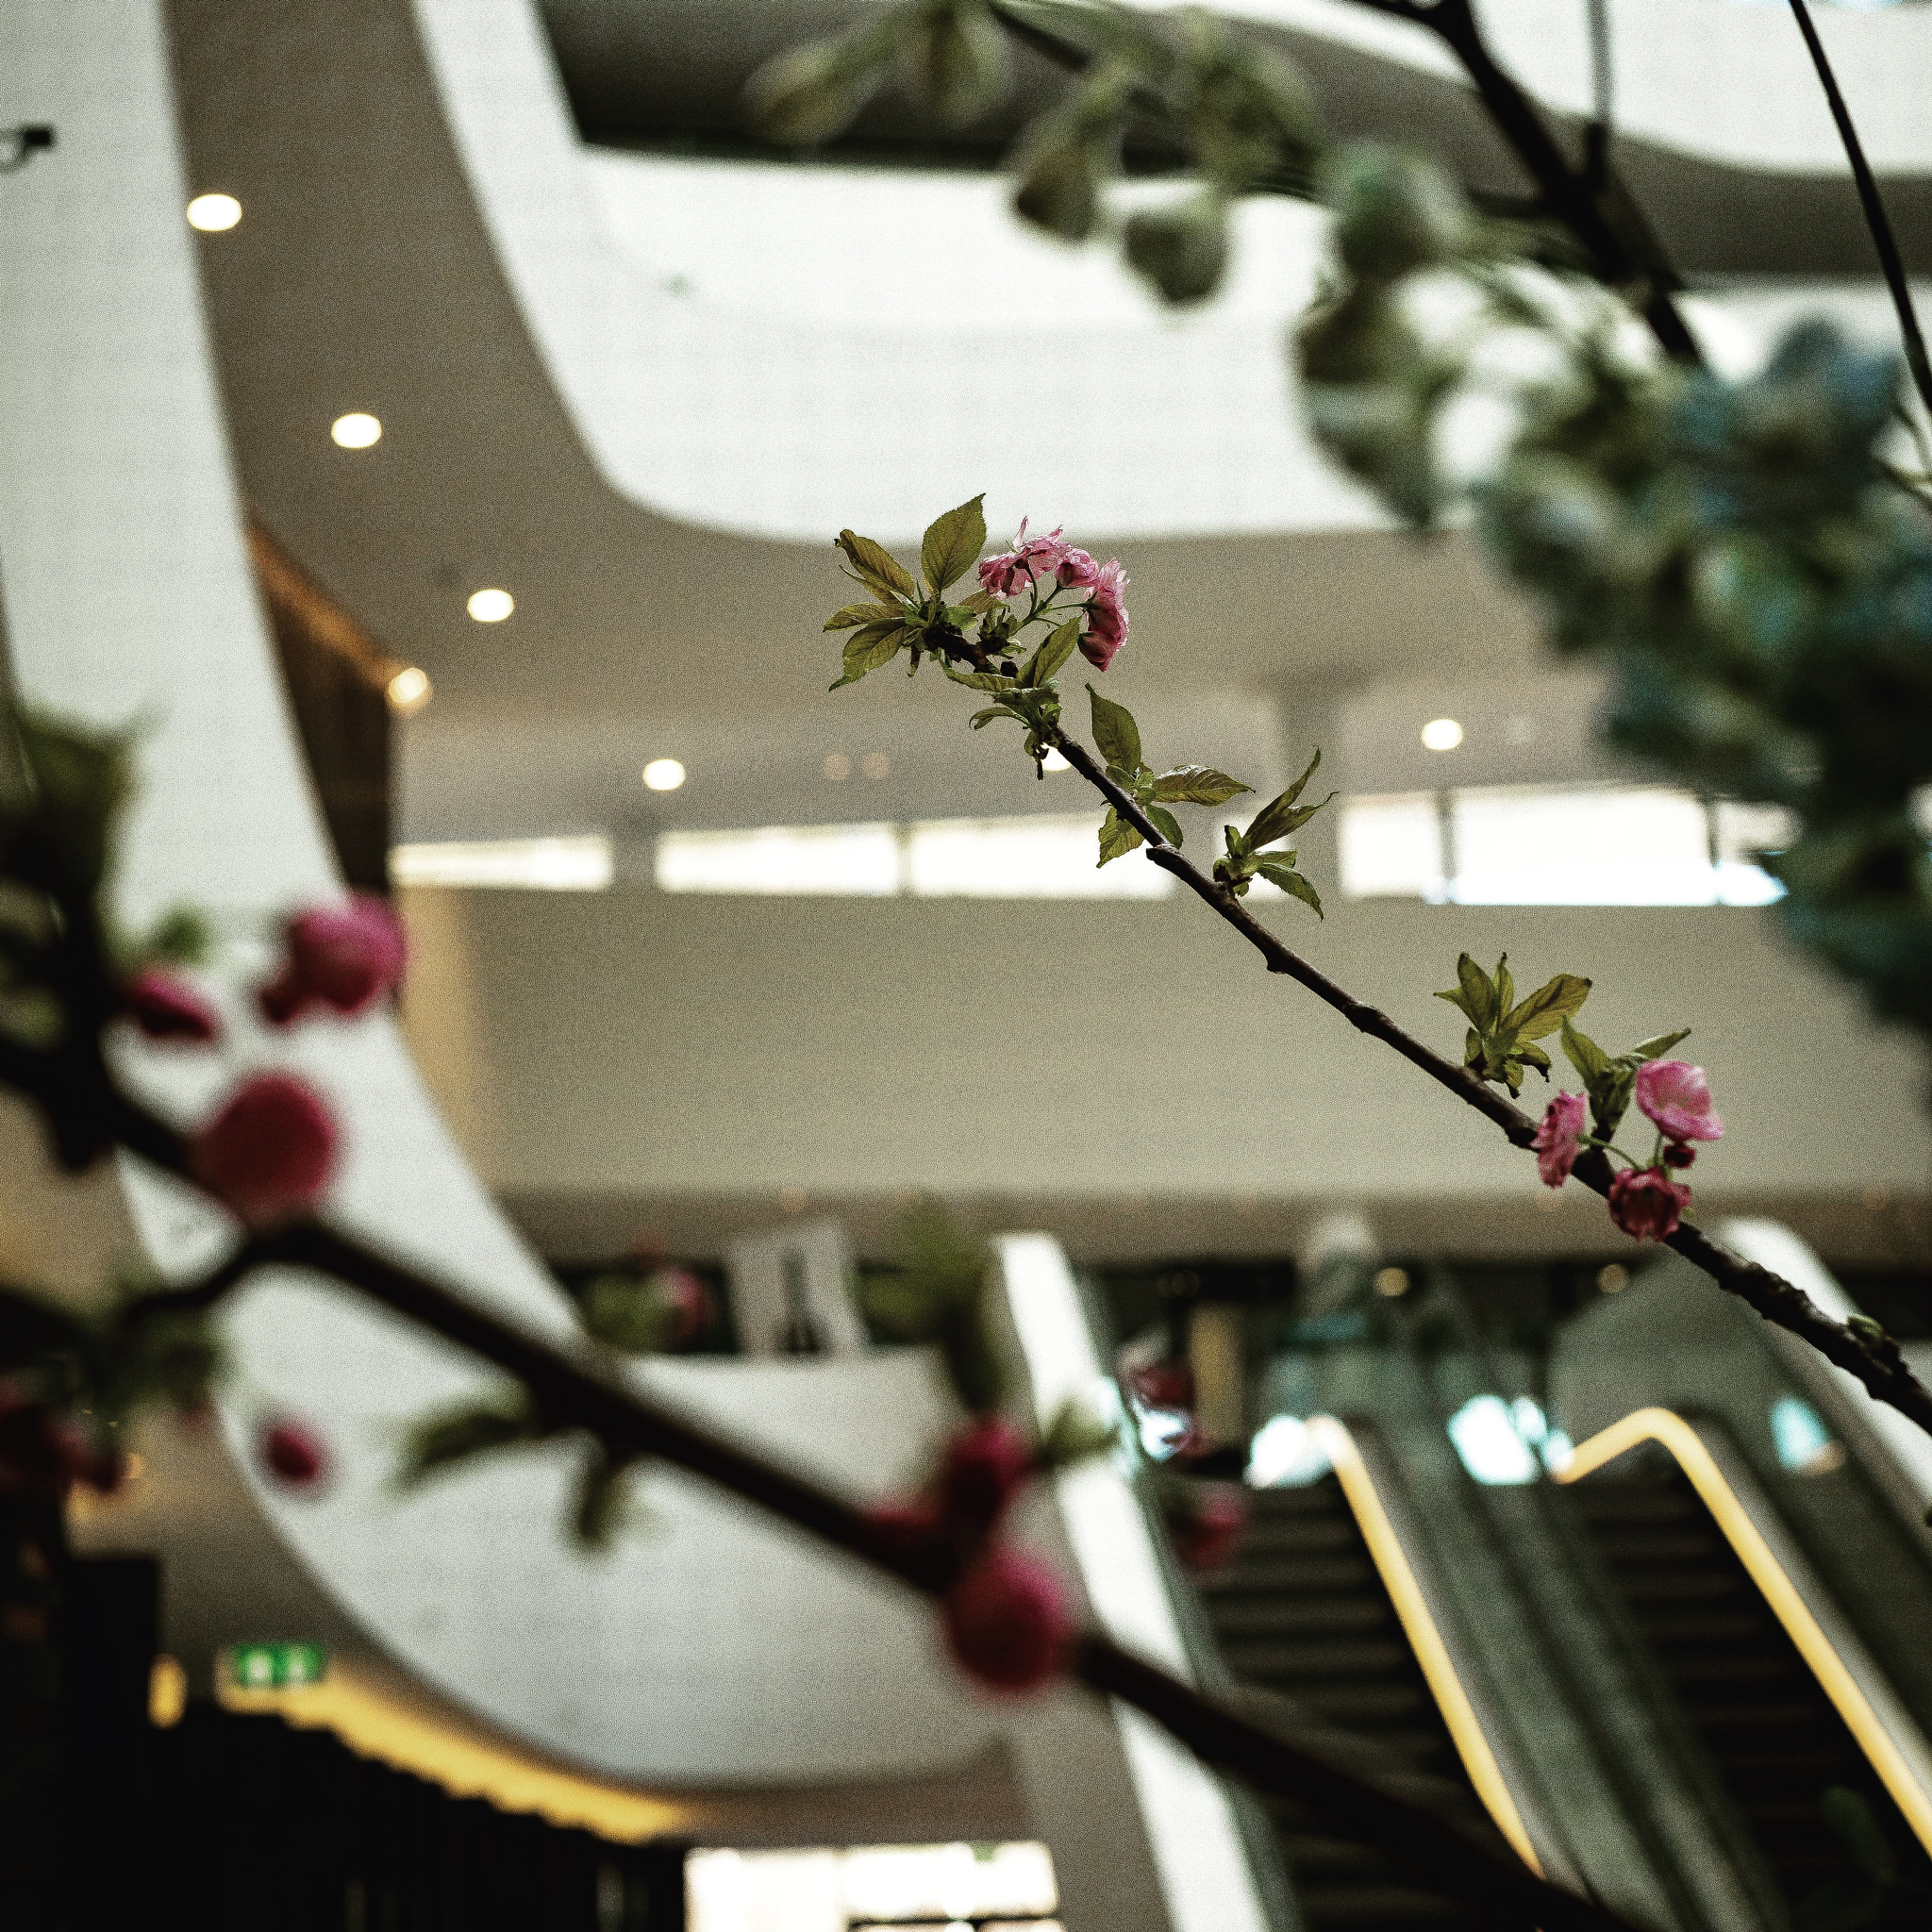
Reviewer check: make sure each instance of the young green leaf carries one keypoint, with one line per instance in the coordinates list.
(1473, 994)
(876, 565)
(855, 614)
(1115, 732)
(1046, 661)
(1291, 882)
(1197, 785)
(1546, 1009)
(601, 1504)
(1655, 1049)
(979, 681)
(439, 1442)
(867, 649)
(1116, 838)
(1165, 823)
(1591, 1061)
(952, 544)
(1279, 816)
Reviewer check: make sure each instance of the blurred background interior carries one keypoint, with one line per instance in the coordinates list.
(430, 418)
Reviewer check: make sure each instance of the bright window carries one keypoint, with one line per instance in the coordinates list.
(548, 865)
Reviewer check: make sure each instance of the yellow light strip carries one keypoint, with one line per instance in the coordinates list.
(1438, 1670)
(1694, 1458)
(375, 1724)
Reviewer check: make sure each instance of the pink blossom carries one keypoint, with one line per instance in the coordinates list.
(165, 1008)
(343, 959)
(984, 1468)
(1205, 1538)
(1677, 1097)
(269, 1150)
(293, 1456)
(1162, 1384)
(1647, 1204)
(1014, 571)
(687, 1299)
(1559, 1138)
(1006, 1622)
(1106, 616)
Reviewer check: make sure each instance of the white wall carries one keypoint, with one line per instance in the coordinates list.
(655, 1055)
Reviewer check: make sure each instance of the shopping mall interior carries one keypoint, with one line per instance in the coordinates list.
(428, 422)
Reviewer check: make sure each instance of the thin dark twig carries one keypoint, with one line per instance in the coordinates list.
(580, 1389)
(1878, 1363)
(1869, 200)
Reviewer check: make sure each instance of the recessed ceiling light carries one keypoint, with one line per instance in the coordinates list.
(491, 606)
(838, 765)
(211, 214)
(408, 690)
(663, 774)
(1442, 734)
(357, 430)
(874, 764)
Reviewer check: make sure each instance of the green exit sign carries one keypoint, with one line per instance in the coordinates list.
(272, 1666)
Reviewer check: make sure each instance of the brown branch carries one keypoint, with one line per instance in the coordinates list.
(1876, 1363)
(578, 1389)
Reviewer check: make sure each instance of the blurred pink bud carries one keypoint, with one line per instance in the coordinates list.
(343, 959)
(984, 1468)
(1677, 1096)
(291, 1454)
(269, 1150)
(1559, 1138)
(165, 1008)
(1647, 1204)
(1678, 1154)
(1162, 1384)
(688, 1301)
(1006, 1622)
(1205, 1537)
(1076, 568)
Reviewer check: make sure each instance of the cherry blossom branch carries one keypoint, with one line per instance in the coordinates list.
(1864, 1350)
(580, 1389)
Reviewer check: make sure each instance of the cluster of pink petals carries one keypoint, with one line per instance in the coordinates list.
(1033, 557)
(165, 1008)
(268, 1152)
(1205, 1537)
(344, 959)
(1014, 571)
(1677, 1096)
(1559, 1138)
(1647, 1204)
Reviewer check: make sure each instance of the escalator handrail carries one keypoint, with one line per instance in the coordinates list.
(1879, 1725)
(1424, 1633)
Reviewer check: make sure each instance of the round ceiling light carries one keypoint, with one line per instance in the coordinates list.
(491, 606)
(357, 430)
(213, 213)
(1442, 734)
(409, 689)
(663, 774)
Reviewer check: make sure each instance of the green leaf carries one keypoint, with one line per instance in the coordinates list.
(960, 56)
(1546, 1009)
(1115, 732)
(454, 1436)
(602, 1501)
(1591, 1061)
(952, 544)
(1655, 1049)
(1506, 989)
(855, 614)
(1182, 249)
(1291, 882)
(1849, 1902)
(876, 565)
(1165, 823)
(980, 720)
(867, 649)
(979, 681)
(1474, 993)
(1197, 785)
(1116, 838)
(1278, 817)
(1054, 652)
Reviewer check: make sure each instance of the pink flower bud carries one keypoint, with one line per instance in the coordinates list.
(1679, 1153)
(165, 1008)
(984, 1468)
(1205, 1537)
(345, 959)
(1076, 568)
(1162, 1384)
(1559, 1138)
(291, 1454)
(1647, 1204)
(269, 1150)
(687, 1300)
(1677, 1096)
(1106, 617)
(1006, 1622)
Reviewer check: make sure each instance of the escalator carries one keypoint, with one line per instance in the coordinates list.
(1769, 1732)
(1302, 1614)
